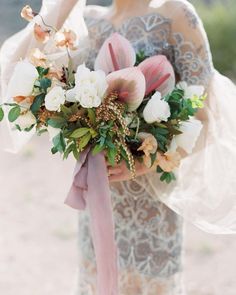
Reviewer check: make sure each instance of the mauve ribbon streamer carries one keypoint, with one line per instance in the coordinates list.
(90, 189)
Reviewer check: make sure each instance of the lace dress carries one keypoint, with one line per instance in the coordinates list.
(148, 234)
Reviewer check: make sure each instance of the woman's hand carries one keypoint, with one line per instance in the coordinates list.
(120, 172)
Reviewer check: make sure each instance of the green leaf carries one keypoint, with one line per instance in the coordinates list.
(14, 114)
(84, 140)
(18, 127)
(1, 114)
(54, 150)
(42, 71)
(56, 122)
(59, 142)
(68, 150)
(159, 170)
(38, 101)
(76, 152)
(163, 176)
(92, 116)
(28, 129)
(65, 110)
(97, 149)
(80, 132)
(167, 177)
(111, 156)
(45, 83)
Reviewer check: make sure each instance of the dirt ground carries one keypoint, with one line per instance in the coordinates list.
(38, 241)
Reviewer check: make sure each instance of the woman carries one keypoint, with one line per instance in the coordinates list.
(148, 233)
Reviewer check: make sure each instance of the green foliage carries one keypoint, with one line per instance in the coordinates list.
(56, 122)
(1, 114)
(42, 71)
(38, 101)
(59, 144)
(80, 132)
(45, 83)
(219, 22)
(14, 114)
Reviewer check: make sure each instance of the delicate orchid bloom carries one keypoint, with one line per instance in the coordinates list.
(159, 74)
(116, 53)
(168, 161)
(40, 34)
(66, 38)
(130, 86)
(149, 146)
(37, 58)
(27, 13)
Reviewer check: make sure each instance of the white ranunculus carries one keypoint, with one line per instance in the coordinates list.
(52, 132)
(55, 98)
(191, 90)
(190, 132)
(90, 87)
(156, 110)
(22, 80)
(26, 120)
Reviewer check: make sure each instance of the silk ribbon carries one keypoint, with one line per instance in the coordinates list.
(90, 189)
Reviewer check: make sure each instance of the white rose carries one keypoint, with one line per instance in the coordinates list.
(90, 87)
(71, 95)
(22, 80)
(26, 120)
(55, 98)
(187, 140)
(156, 110)
(52, 132)
(191, 90)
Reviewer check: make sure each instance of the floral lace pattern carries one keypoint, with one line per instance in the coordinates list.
(149, 240)
(148, 234)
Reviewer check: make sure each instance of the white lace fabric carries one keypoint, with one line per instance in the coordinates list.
(148, 233)
(149, 240)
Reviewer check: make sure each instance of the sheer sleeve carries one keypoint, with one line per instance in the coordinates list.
(205, 190)
(55, 13)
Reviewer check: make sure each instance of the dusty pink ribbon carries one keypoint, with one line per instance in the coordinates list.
(90, 189)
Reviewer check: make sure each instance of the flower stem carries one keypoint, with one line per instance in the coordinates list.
(51, 27)
(137, 128)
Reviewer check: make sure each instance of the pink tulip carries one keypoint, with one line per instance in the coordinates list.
(159, 74)
(115, 54)
(130, 86)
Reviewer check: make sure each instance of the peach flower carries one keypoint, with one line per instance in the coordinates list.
(37, 58)
(66, 38)
(40, 34)
(168, 161)
(27, 13)
(148, 146)
(24, 99)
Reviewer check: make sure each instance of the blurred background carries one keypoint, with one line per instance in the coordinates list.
(38, 241)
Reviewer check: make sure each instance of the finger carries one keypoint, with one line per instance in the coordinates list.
(114, 170)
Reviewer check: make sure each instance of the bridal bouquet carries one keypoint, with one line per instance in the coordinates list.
(128, 106)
